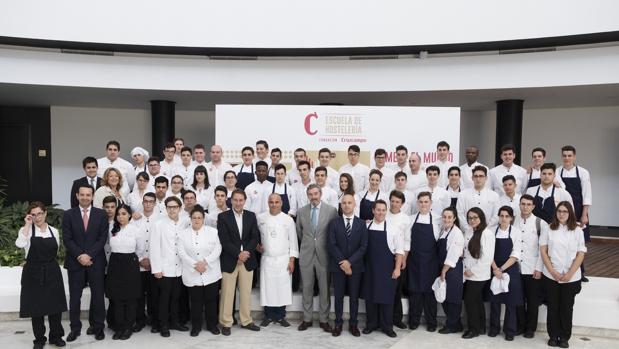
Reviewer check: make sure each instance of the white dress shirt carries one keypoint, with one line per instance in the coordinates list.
(360, 174)
(256, 196)
(455, 245)
(563, 246)
(216, 172)
(480, 267)
(186, 172)
(289, 191)
(530, 258)
(497, 173)
(560, 194)
(127, 240)
(167, 168)
(444, 167)
(23, 241)
(395, 241)
(124, 166)
(163, 247)
(204, 197)
(195, 246)
(145, 226)
(585, 182)
(485, 199)
(466, 175)
(402, 223)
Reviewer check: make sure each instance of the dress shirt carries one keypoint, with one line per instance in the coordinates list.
(455, 245)
(485, 199)
(585, 182)
(480, 267)
(403, 223)
(195, 246)
(497, 173)
(563, 246)
(24, 241)
(238, 218)
(163, 247)
(530, 258)
(360, 174)
(395, 241)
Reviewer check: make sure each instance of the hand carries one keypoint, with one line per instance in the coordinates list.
(291, 266)
(584, 220)
(84, 259)
(567, 277)
(136, 215)
(145, 263)
(348, 271)
(158, 275)
(403, 263)
(556, 275)
(244, 256)
(345, 264)
(260, 248)
(530, 168)
(396, 273)
(468, 273)
(537, 275)
(443, 276)
(557, 184)
(200, 267)
(28, 221)
(498, 273)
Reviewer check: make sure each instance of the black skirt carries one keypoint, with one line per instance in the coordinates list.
(123, 277)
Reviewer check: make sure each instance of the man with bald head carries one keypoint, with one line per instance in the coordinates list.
(466, 169)
(216, 167)
(417, 177)
(280, 247)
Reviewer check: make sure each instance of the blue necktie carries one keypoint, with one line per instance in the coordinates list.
(314, 218)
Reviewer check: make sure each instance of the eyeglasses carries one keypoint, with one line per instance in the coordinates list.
(38, 214)
(472, 218)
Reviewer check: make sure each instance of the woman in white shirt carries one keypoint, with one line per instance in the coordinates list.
(478, 257)
(111, 184)
(42, 288)
(202, 187)
(506, 255)
(123, 283)
(199, 249)
(450, 249)
(366, 199)
(562, 246)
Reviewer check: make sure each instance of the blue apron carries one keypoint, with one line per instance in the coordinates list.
(545, 208)
(502, 250)
(454, 276)
(243, 179)
(284, 196)
(380, 261)
(454, 201)
(229, 202)
(533, 182)
(422, 262)
(365, 207)
(573, 186)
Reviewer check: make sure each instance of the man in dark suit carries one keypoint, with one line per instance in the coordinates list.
(84, 233)
(348, 240)
(239, 236)
(90, 166)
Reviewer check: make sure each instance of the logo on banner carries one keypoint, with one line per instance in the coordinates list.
(335, 127)
(308, 123)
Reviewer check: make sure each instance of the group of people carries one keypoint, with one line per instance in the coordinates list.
(175, 240)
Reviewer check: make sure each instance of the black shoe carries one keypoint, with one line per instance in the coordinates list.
(137, 327)
(225, 331)
(126, 334)
(470, 334)
(90, 330)
(214, 330)
(194, 332)
(563, 344)
(431, 328)
(58, 342)
(509, 337)
(73, 336)
(265, 322)
(154, 329)
(529, 334)
(283, 322)
(400, 325)
(234, 321)
(116, 335)
(250, 326)
(179, 327)
(100, 335)
(165, 332)
(553, 342)
(493, 333)
(413, 326)
(583, 279)
(446, 330)
(367, 330)
(390, 333)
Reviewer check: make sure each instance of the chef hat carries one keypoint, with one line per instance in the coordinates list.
(140, 150)
(500, 285)
(440, 289)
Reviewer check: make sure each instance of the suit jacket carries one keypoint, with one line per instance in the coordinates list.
(314, 242)
(76, 185)
(350, 248)
(231, 240)
(78, 241)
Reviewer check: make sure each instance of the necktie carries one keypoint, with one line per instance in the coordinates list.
(85, 219)
(92, 183)
(348, 227)
(314, 218)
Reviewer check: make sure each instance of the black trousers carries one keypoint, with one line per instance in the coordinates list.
(204, 300)
(397, 300)
(379, 316)
(474, 305)
(560, 302)
(526, 314)
(124, 314)
(422, 301)
(183, 304)
(110, 315)
(169, 294)
(155, 289)
(509, 321)
(78, 279)
(144, 310)
(55, 328)
(341, 284)
(452, 314)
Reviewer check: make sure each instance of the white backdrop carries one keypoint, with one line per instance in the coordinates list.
(336, 127)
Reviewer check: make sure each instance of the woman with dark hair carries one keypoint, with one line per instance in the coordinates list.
(202, 187)
(562, 247)
(230, 184)
(347, 186)
(478, 256)
(450, 248)
(506, 256)
(123, 283)
(134, 199)
(373, 193)
(42, 288)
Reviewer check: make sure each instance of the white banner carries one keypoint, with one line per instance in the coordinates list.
(337, 127)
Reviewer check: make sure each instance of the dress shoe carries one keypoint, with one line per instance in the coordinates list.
(529, 334)
(283, 322)
(493, 333)
(137, 327)
(305, 325)
(100, 335)
(336, 331)
(73, 336)
(154, 329)
(179, 327)
(354, 330)
(553, 342)
(413, 326)
(250, 326)
(214, 330)
(509, 337)
(390, 333)
(57, 342)
(583, 279)
(126, 334)
(194, 332)
(368, 330)
(325, 326)
(563, 344)
(400, 325)
(116, 335)
(225, 331)
(431, 328)
(90, 330)
(265, 322)
(164, 332)
(470, 334)
(446, 330)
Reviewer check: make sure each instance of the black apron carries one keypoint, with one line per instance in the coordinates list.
(454, 201)
(243, 179)
(123, 280)
(284, 196)
(454, 276)
(573, 186)
(379, 287)
(545, 208)
(502, 250)
(42, 288)
(422, 261)
(533, 182)
(365, 207)
(229, 202)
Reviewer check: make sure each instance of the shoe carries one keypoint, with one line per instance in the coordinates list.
(529, 334)
(400, 325)
(283, 322)
(509, 337)
(225, 331)
(304, 325)
(265, 322)
(493, 333)
(116, 335)
(234, 321)
(214, 330)
(431, 328)
(126, 334)
(154, 329)
(194, 332)
(179, 327)
(250, 326)
(563, 344)
(583, 279)
(325, 326)
(58, 342)
(100, 335)
(337, 330)
(470, 334)
(390, 333)
(354, 330)
(165, 332)
(73, 336)
(553, 342)
(446, 330)
(413, 326)
(368, 330)
(90, 330)
(137, 327)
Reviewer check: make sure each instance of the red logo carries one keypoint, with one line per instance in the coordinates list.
(308, 121)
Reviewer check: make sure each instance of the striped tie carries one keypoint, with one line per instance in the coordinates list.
(348, 227)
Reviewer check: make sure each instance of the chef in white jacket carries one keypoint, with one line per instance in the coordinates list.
(279, 249)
